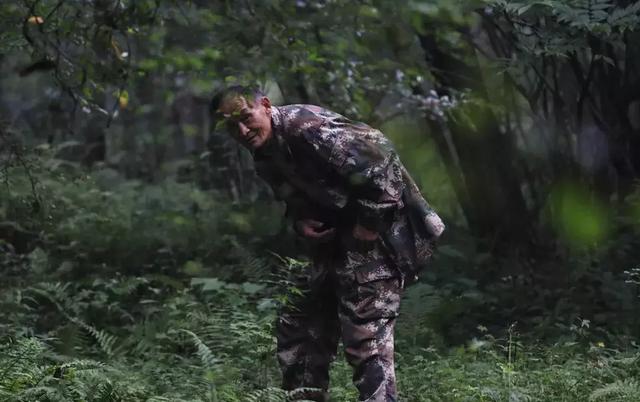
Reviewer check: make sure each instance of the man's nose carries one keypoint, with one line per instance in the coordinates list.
(244, 130)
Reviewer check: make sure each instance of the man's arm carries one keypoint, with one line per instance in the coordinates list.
(298, 211)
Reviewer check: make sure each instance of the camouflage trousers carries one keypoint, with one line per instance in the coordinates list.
(349, 295)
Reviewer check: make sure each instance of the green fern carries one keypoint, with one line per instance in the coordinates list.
(268, 395)
(583, 14)
(205, 354)
(625, 18)
(53, 292)
(57, 293)
(618, 391)
(104, 340)
(40, 393)
(19, 365)
(274, 394)
(83, 365)
(106, 392)
(588, 15)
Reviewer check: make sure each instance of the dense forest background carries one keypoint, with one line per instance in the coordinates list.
(142, 260)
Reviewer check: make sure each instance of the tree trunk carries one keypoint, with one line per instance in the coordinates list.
(489, 182)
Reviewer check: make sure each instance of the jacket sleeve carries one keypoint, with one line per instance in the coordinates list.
(368, 165)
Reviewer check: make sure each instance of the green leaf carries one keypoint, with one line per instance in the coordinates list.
(252, 288)
(192, 268)
(208, 283)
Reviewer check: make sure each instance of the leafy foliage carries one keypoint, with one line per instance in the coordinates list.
(139, 257)
(107, 330)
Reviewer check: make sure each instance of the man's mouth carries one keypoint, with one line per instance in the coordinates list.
(252, 136)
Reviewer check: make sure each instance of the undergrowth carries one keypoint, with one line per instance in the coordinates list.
(115, 290)
(217, 345)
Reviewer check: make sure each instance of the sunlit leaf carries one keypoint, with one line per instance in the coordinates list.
(192, 268)
(36, 20)
(208, 283)
(123, 99)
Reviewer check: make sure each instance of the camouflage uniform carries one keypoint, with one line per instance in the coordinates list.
(328, 168)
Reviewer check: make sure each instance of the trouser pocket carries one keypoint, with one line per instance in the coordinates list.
(374, 293)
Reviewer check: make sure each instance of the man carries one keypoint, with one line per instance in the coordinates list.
(348, 194)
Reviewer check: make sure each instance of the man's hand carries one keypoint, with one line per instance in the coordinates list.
(312, 229)
(361, 233)
(361, 240)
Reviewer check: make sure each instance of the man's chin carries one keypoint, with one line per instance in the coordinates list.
(255, 143)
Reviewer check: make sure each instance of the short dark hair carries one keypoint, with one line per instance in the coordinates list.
(249, 92)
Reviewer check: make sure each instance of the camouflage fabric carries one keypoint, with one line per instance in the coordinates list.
(355, 295)
(328, 168)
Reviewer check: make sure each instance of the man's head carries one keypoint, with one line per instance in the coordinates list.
(246, 113)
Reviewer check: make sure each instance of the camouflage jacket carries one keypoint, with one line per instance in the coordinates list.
(341, 172)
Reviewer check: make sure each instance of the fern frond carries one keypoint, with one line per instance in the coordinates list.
(619, 391)
(104, 340)
(105, 392)
(83, 365)
(40, 393)
(583, 14)
(21, 358)
(271, 394)
(53, 291)
(204, 353)
(625, 18)
(256, 267)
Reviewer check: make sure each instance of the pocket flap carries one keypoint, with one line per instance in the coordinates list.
(374, 271)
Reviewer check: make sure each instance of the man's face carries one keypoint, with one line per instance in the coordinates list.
(248, 122)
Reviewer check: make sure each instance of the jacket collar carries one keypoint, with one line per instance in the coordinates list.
(277, 123)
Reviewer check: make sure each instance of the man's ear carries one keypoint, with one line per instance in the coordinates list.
(266, 102)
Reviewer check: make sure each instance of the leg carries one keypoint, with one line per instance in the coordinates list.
(307, 335)
(369, 300)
